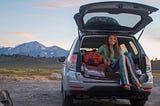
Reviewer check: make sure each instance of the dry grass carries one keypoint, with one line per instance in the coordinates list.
(28, 73)
(156, 74)
(18, 66)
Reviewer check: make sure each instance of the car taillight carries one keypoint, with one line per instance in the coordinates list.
(148, 64)
(147, 89)
(72, 60)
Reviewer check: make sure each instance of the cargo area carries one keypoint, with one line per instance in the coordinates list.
(91, 43)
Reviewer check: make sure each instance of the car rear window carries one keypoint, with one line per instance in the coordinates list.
(130, 46)
(92, 43)
(123, 19)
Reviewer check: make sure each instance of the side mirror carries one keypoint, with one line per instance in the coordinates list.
(61, 59)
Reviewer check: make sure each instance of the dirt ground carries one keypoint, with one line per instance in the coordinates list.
(47, 93)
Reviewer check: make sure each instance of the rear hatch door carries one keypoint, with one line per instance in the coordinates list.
(114, 16)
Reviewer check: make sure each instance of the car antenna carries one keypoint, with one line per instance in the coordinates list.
(141, 33)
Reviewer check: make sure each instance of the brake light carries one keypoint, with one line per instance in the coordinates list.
(72, 60)
(148, 64)
(75, 87)
(147, 89)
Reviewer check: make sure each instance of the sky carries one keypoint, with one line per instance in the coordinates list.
(51, 22)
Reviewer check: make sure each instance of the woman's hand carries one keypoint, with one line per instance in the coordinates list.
(107, 63)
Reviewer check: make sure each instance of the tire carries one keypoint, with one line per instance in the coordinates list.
(67, 100)
(61, 87)
(137, 102)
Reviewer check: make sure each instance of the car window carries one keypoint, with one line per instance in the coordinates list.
(123, 48)
(123, 19)
(88, 44)
(92, 42)
(72, 49)
(133, 47)
(129, 46)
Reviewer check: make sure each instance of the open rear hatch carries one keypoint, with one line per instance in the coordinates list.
(125, 17)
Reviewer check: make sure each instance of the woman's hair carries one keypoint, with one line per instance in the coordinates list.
(115, 47)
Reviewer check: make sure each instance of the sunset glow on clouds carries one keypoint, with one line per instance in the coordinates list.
(53, 4)
(26, 35)
(151, 1)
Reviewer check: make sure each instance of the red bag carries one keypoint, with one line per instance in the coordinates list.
(92, 58)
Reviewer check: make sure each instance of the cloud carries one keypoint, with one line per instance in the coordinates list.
(156, 39)
(46, 43)
(150, 1)
(53, 4)
(4, 42)
(27, 35)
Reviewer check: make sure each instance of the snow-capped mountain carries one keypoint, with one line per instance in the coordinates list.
(53, 51)
(5, 50)
(35, 49)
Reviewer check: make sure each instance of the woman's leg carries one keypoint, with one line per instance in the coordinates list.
(131, 70)
(129, 57)
(123, 70)
(121, 64)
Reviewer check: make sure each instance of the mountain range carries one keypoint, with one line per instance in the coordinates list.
(34, 49)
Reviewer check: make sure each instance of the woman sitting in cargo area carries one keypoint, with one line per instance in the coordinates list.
(119, 62)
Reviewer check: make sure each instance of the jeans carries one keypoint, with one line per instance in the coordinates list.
(127, 69)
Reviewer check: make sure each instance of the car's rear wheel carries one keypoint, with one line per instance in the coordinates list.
(67, 100)
(137, 102)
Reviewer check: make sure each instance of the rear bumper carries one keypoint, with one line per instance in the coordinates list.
(104, 92)
(77, 85)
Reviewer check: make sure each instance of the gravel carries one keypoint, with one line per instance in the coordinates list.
(47, 93)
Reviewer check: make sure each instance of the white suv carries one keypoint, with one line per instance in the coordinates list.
(95, 21)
